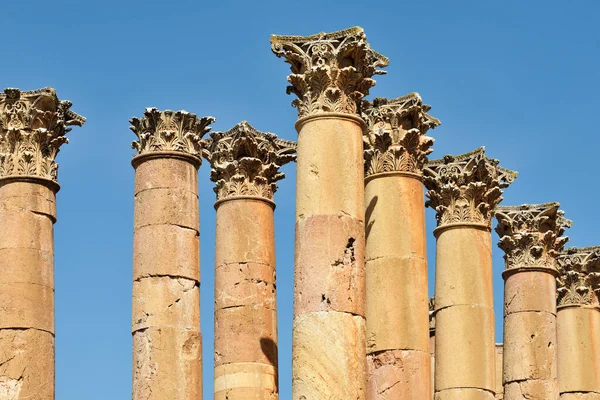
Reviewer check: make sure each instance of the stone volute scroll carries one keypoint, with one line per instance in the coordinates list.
(396, 138)
(531, 235)
(246, 162)
(465, 189)
(33, 125)
(578, 283)
(178, 133)
(331, 72)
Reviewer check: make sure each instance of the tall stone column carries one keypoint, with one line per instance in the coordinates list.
(33, 125)
(331, 72)
(499, 362)
(245, 167)
(432, 342)
(396, 148)
(531, 237)
(167, 345)
(464, 190)
(578, 323)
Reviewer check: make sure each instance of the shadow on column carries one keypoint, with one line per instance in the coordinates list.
(368, 214)
(269, 348)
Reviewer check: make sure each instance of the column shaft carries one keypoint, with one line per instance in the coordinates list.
(27, 215)
(245, 301)
(167, 345)
(529, 359)
(329, 344)
(578, 352)
(398, 358)
(464, 317)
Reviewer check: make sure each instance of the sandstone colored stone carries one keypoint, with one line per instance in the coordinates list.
(167, 364)
(166, 173)
(24, 265)
(246, 284)
(462, 340)
(20, 196)
(246, 381)
(398, 374)
(26, 364)
(35, 231)
(464, 394)
(166, 206)
(328, 359)
(499, 364)
(175, 257)
(329, 270)
(165, 302)
(580, 396)
(254, 241)
(530, 389)
(578, 331)
(531, 338)
(26, 305)
(463, 275)
(530, 291)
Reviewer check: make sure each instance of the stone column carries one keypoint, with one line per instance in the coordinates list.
(396, 148)
(432, 342)
(167, 345)
(331, 72)
(578, 323)
(245, 167)
(499, 357)
(531, 237)
(33, 125)
(464, 191)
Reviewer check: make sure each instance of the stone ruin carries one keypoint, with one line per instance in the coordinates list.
(364, 327)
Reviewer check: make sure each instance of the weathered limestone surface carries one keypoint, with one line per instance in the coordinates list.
(578, 323)
(32, 129)
(464, 191)
(531, 237)
(499, 361)
(331, 72)
(167, 344)
(432, 342)
(396, 149)
(245, 167)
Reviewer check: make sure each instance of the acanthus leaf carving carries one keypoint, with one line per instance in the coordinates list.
(578, 282)
(465, 188)
(531, 234)
(33, 125)
(331, 72)
(164, 131)
(396, 135)
(246, 162)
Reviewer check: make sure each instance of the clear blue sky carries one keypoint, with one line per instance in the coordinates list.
(521, 78)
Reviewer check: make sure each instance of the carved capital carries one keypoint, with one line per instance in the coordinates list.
(331, 72)
(465, 188)
(396, 134)
(578, 282)
(531, 234)
(33, 125)
(163, 131)
(246, 162)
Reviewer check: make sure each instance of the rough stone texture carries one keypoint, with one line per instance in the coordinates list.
(329, 277)
(499, 361)
(245, 301)
(167, 345)
(464, 394)
(397, 295)
(27, 213)
(578, 352)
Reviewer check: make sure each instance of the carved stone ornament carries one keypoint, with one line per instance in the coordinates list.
(531, 234)
(396, 134)
(465, 188)
(431, 316)
(578, 282)
(331, 72)
(163, 131)
(246, 162)
(33, 125)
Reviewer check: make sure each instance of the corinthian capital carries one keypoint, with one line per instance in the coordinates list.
(246, 162)
(33, 125)
(178, 131)
(578, 282)
(531, 234)
(396, 136)
(466, 188)
(331, 72)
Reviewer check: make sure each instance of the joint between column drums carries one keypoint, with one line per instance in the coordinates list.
(406, 174)
(513, 271)
(139, 159)
(251, 198)
(331, 115)
(50, 184)
(458, 225)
